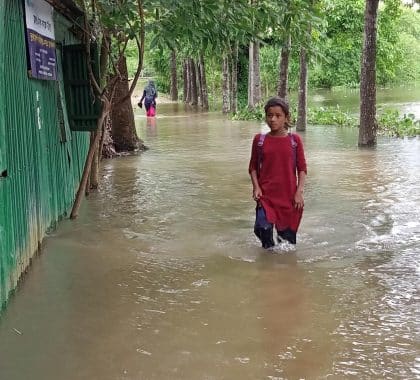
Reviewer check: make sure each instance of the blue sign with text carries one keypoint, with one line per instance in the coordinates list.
(41, 39)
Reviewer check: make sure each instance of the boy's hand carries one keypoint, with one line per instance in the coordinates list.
(299, 201)
(256, 194)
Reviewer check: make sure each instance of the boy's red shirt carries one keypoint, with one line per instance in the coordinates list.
(277, 178)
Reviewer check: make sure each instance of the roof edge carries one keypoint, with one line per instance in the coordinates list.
(67, 8)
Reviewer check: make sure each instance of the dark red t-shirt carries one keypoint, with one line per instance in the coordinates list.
(277, 178)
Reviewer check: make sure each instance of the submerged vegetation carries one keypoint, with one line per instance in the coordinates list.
(390, 122)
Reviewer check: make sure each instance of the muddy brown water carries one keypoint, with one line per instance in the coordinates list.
(161, 277)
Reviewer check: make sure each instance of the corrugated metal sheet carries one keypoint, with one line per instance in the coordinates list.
(2, 163)
(43, 168)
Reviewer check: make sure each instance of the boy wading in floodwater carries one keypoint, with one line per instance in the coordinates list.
(278, 170)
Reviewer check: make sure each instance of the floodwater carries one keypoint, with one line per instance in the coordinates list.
(405, 99)
(161, 277)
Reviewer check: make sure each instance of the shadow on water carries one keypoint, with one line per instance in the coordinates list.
(162, 278)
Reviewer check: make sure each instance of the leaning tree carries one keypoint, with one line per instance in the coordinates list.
(109, 25)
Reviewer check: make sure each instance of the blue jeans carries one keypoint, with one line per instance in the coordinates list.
(263, 229)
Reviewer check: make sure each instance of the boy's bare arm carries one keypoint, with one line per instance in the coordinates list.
(299, 200)
(256, 190)
(301, 181)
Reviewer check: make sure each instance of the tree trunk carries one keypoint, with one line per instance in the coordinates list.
(184, 81)
(234, 80)
(368, 124)
(225, 85)
(107, 146)
(89, 180)
(122, 117)
(230, 69)
(282, 87)
(187, 83)
(257, 76)
(88, 163)
(94, 172)
(93, 181)
(104, 57)
(198, 81)
(254, 82)
(204, 84)
(193, 81)
(250, 75)
(303, 91)
(174, 80)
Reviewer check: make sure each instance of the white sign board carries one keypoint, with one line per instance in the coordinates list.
(41, 39)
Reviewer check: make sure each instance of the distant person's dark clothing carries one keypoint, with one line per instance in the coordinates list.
(149, 96)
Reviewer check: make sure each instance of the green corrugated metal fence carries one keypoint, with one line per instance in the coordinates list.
(2, 164)
(43, 159)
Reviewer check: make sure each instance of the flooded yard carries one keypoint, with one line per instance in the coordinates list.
(161, 276)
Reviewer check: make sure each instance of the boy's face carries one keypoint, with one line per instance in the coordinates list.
(276, 119)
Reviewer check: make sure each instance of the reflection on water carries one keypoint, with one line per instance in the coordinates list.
(162, 278)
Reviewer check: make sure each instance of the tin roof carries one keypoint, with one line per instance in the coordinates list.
(67, 8)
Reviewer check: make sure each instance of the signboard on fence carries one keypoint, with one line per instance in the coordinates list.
(40, 39)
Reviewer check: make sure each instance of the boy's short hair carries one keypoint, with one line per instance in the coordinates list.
(277, 101)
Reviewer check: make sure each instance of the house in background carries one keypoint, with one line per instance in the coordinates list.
(46, 110)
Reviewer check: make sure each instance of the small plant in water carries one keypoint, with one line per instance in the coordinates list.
(391, 123)
(246, 113)
(331, 116)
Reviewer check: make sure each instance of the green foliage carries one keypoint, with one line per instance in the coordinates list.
(132, 57)
(331, 116)
(338, 63)
(243, 77)
(389, 51)
(119, 23)
(316, 116)
(214, 78)
(334, 41)
(339, 47)
(250, 114)
(391, 123)
(410, 23)
(198, 25)
(159, 60)
(269, 68)
(408, 68)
